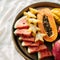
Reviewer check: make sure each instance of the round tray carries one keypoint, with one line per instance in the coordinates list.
(17, 43)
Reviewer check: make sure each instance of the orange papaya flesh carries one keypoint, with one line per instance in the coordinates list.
(47, 12)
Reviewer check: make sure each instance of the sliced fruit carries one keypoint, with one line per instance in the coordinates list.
(44, 54)
(28, 39)
(34, 11)
(28, 44)
(29, 14)
(56, 50)
(36, 49)
(39, 36)
(52, 25)
(21, 23)
(24, 32)
(33, 20)
(33, 49)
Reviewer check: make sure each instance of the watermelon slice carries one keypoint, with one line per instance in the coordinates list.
(24, 32)
(28, 39)
(21, 23)
(42, 47)
(33, 49)
(24, 43)
(36, 49)
(44, 54)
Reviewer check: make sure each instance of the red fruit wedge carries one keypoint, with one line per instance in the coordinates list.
(44, 54)
(21, 23)
(33, 49)
(28, 39)
(36, 49)
(24, 32)
(28, 44)
(42, 47)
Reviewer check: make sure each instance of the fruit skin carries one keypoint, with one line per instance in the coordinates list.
(30, 44)
(47, 12)
(56, 50)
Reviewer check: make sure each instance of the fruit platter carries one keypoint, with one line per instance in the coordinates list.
(36, 31)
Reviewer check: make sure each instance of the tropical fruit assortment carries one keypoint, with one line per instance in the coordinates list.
(37, 26)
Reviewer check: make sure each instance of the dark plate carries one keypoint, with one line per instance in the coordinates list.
(22, 50)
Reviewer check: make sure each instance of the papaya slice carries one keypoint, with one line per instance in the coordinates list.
(52, 24)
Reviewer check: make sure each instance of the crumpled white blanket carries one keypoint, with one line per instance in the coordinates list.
(8, 11)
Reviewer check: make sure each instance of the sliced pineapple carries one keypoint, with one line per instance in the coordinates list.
(34, 11)
(29, 14)
(32, 20)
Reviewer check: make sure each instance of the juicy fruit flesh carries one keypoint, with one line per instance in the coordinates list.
(24, 32)
(44, 54)
(21, 23)
(37, 49)
(28, 39)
